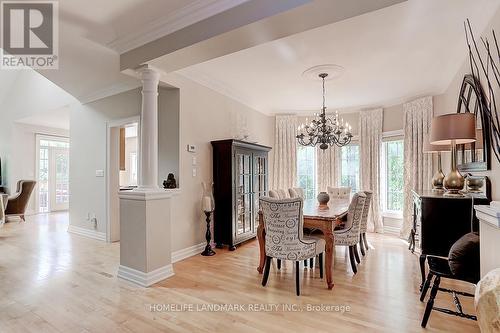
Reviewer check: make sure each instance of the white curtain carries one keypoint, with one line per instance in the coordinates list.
(370, 145)
(328, 167)
(285, 153)
(417, 165)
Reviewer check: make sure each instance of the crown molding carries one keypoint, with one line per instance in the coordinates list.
(178, 19)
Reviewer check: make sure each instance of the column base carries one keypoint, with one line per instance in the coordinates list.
(145, 279)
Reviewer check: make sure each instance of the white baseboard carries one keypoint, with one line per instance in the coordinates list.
(145, 279)
(392, 230)
(89, 233)
(187, 252)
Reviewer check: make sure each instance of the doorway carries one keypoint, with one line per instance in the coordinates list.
(121, 169)
(52, 173)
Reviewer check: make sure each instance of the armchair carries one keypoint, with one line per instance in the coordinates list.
(19, 201)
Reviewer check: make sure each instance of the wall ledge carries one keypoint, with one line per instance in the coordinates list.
(149, 194)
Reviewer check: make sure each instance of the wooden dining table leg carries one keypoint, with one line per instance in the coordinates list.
(329, 251)
(261, 236)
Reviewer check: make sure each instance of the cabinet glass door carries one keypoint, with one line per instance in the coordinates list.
(243, 193)
(260, 185)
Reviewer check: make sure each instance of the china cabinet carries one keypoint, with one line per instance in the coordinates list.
(240, 173)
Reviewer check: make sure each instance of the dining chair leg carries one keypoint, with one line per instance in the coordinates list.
(320, 258)
(297, 281)
(266, 271)
(362, 246)
(425, 287)
(279, 263)
(365, 241)
(430, 302)
(351, 258)
(356, 254)
(311, 263)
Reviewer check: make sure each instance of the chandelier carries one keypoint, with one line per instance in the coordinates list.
(324, 131)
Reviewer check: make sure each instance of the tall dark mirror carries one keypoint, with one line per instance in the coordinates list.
(475, 156)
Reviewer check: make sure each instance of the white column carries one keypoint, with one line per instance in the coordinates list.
(148, 163)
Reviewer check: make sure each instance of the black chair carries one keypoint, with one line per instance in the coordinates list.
(462, 264)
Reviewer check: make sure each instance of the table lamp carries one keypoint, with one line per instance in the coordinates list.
(437, 180)
(453, 129)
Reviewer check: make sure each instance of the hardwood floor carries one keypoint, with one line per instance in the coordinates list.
(53, 281)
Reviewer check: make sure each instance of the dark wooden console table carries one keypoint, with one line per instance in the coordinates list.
(439, 221)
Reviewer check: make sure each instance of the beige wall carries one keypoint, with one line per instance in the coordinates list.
(206, 115)
(447, 103)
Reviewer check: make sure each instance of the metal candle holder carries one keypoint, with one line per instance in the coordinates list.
(208, 236)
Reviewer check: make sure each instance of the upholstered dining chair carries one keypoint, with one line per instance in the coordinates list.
(18, 202)
(274, 194)
(284, 222)
(296, 192)
(339, 192)
(363, 243)
(349, 235)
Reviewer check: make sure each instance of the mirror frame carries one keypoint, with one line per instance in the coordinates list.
(471, 85)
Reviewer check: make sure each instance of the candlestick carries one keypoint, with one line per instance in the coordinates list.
(208, 236)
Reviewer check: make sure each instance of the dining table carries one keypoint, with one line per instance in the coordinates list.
(324, 219)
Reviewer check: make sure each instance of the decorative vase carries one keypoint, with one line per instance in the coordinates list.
(475, 183)
(323, 199)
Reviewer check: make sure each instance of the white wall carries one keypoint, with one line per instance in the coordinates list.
(88, 154)
(204, 116)
(23, 156)
(27, 94)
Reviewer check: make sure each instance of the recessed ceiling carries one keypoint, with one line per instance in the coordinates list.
(389, 55)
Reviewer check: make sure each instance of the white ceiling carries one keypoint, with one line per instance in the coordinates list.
(390, 55)
(58, 118)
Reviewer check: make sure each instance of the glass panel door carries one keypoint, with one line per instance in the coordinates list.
(260, 185)
(59, 178)
(243, 193)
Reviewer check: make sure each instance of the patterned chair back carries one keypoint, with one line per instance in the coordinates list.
(339, 192)
(366, 210)
(284, 224)
(350, 234)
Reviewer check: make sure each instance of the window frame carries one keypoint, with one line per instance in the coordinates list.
(314, 172)
(354, 142)
(388, 137)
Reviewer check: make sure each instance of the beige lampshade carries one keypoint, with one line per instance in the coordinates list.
(428, 148)
(460, 127)
(479, 140)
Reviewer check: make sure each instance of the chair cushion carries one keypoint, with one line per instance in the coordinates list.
(464, 257)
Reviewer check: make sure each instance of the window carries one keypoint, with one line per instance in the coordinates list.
(349, 168)
(306, 170)
(393, 176)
